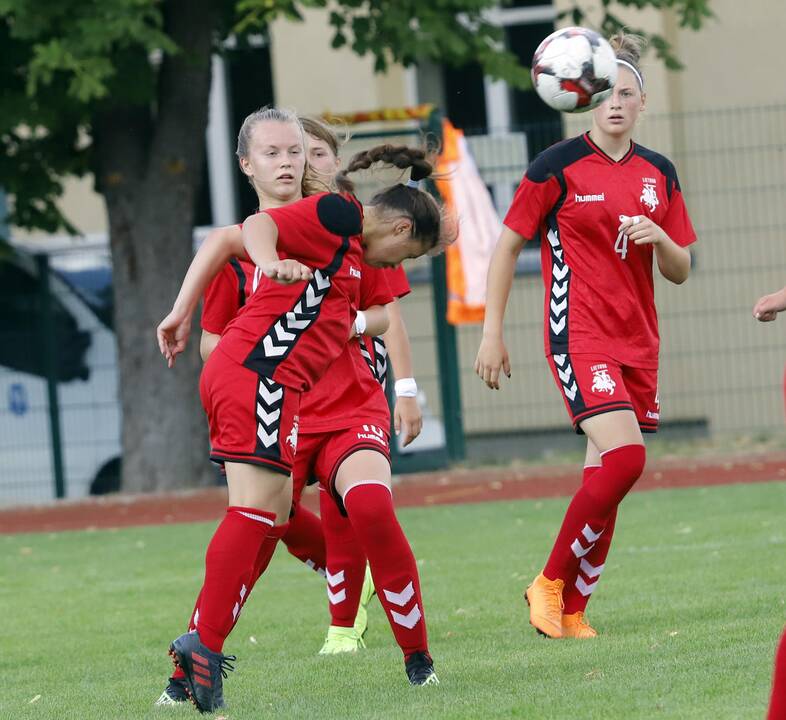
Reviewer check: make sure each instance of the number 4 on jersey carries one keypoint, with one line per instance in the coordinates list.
(621, 244)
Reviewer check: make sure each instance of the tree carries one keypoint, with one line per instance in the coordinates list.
(119, 89)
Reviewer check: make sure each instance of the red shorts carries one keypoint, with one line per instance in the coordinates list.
(252, 418)
(319, 455)
(596, 384)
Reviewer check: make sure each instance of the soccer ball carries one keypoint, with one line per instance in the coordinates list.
(574, 70)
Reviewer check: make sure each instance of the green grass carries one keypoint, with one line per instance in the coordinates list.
(690, 608)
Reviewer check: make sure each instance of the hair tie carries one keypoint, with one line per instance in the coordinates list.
(633, 69)
(420, 173)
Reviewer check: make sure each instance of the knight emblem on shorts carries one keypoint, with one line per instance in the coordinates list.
(292, 437)
(601, 380)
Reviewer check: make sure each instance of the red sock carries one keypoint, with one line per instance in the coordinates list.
(230, 571)
(591, 509)
(778, 699)
(305, 540)
(346, 563)
(578, 589)
(370, 509)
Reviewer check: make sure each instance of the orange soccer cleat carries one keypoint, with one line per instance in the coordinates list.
(544, 598)
(575, 626)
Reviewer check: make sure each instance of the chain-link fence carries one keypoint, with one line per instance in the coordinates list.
(59, 412)
(721, 372)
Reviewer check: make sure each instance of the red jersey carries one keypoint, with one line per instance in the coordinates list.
(599, 287)
(226, 294)
(349, 392)
(291, 333)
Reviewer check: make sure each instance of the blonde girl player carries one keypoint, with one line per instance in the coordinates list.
(766, 309)
(605, 208)
(277, 184)
(276, 348)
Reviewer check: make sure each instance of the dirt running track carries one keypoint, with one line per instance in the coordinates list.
(440, 488)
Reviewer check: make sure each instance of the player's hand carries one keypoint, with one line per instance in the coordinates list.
(642, 231)
(492, 356)
(172, 333)
(407, 418)
(768, 307)
(287, 271)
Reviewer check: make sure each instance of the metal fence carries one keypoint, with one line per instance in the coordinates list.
(59, 410)
(721, 372)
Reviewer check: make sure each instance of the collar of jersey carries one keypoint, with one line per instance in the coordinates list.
(627, 156)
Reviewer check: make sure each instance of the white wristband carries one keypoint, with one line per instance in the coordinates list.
(406, 387)
(360, 323)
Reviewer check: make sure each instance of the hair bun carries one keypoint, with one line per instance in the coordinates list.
(420, 172)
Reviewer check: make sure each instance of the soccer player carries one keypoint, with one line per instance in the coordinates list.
(282, 342)
(227, 294)
(766, 309)
(605, 208)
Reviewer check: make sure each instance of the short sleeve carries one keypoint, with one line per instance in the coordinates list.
(374, 288)
(339, 215)
(536, 195)
(221, 301)
(398, 282)
(677, 223)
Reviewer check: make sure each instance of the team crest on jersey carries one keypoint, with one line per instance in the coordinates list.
(602, 382)
(648, 195)
(292, 437)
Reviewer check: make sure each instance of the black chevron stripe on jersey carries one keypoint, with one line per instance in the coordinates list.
(273, 347)
(381, 361)
(558, 294)
(367, 357)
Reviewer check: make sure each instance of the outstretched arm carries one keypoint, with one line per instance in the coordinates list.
(219, 246)
(492, 353)
(768, 307)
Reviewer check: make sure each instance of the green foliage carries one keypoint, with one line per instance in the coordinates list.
(65, 62)
(689, 607)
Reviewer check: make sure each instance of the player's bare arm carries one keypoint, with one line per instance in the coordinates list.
(173, 332)
(492, 354)
(673, 260)
(260, 235)
(767, 308)
(375, 322)
(407, 416)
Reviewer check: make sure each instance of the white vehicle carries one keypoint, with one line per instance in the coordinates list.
(85, 358)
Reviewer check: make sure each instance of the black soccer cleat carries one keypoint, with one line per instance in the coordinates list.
(420, 669)
(174, 693)
(204, 670)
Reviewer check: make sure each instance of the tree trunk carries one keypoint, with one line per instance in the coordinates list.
(149, 170)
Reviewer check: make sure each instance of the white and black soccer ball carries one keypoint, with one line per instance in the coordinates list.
(574, 69)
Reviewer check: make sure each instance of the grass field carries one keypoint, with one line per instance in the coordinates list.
(690, 608)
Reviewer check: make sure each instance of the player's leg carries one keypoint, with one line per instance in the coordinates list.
(618, 439)
(363, 483)
(257, 498)
(346, 569)
(578, 589)
(304, 538)
(777, 709)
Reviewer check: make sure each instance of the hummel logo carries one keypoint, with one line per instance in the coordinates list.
(590, 198)
(354, 272)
